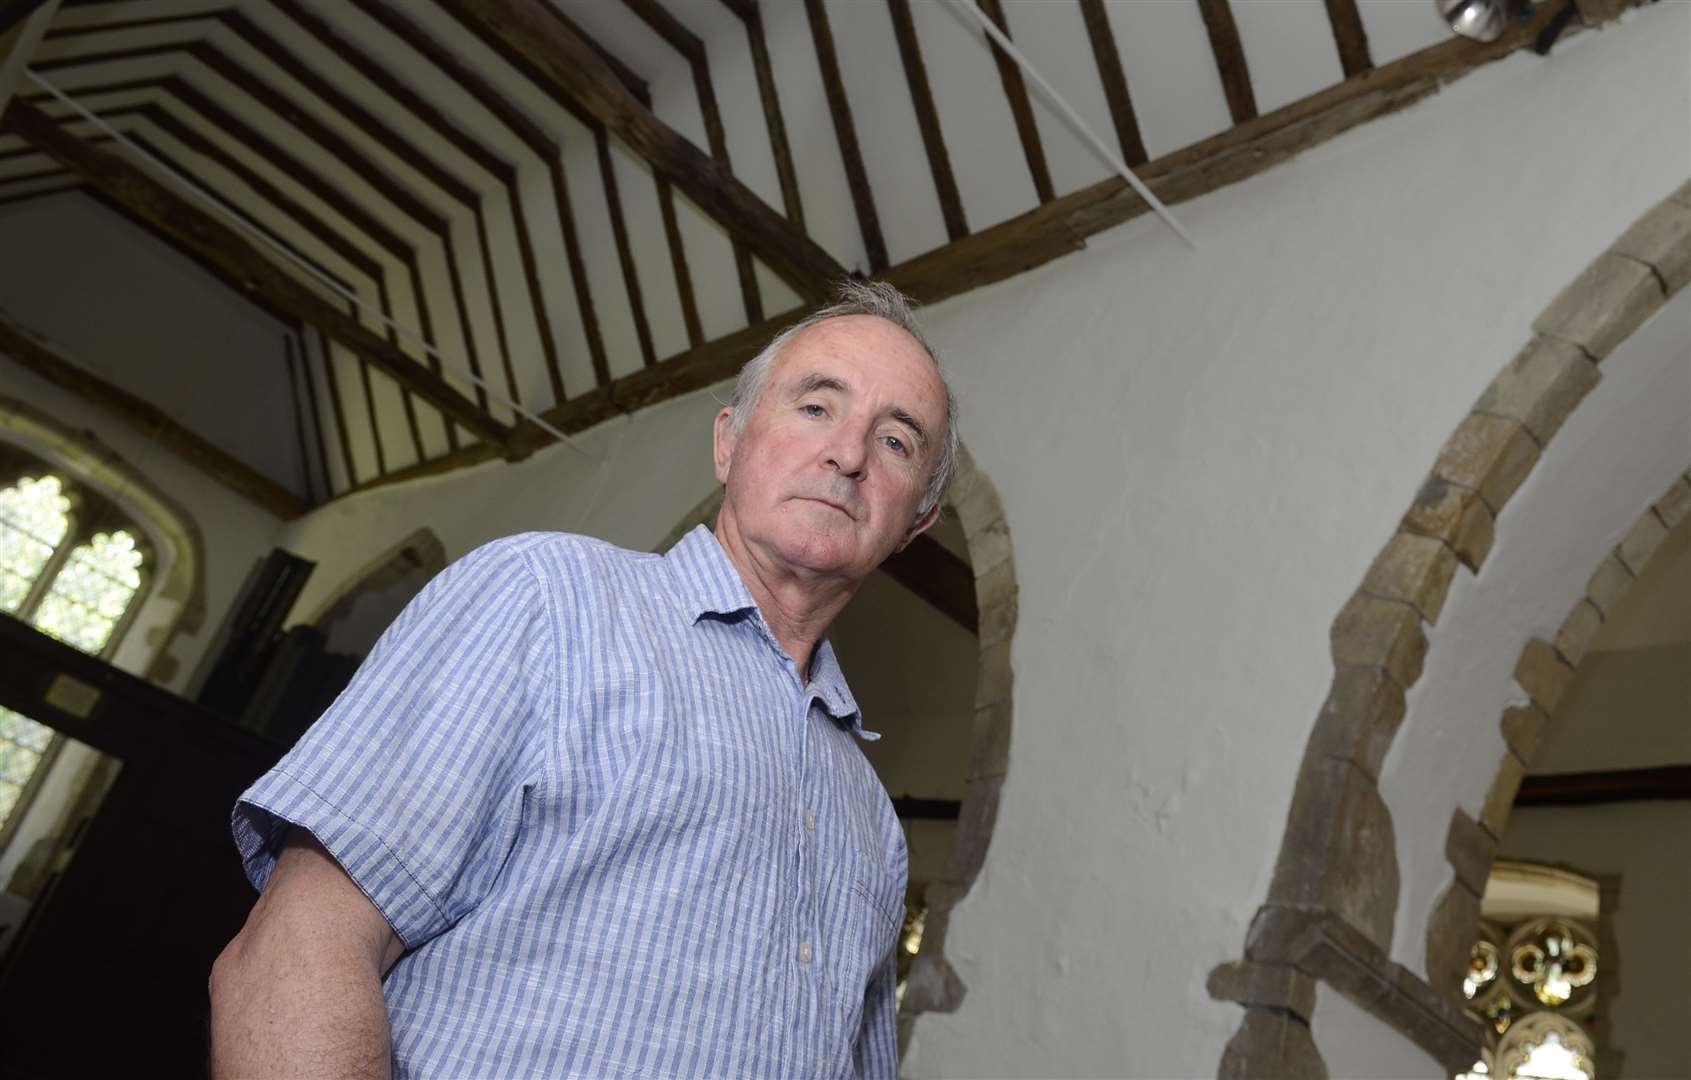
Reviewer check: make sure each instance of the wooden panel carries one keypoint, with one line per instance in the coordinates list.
(1608, 786)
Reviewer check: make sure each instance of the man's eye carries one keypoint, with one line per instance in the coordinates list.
(812, 410)
(895, 443)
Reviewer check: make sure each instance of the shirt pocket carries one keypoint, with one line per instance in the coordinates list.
(860, 934)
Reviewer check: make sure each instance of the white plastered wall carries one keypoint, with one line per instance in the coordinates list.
(1198, 454)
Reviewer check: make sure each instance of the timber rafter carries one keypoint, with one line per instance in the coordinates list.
(224, 247)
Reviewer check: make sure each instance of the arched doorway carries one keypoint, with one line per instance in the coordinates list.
(1333, 910)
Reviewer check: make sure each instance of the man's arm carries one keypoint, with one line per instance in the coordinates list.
(298, 992)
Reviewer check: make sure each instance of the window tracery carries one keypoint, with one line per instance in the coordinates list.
(1533, 977)
(71, 565)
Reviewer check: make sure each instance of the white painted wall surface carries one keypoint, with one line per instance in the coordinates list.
(1199, 455)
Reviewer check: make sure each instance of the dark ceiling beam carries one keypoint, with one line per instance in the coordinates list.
(14, 12)
(927, 119)
(692, 48)
(845, 135)
(268, 98)
(542, 145)
(1058, 228)
(1606, 786)
(155, 423)
(1114, 79)
(1229, 58)
(607, 175)
(1021, 106)
(928, 568)
(222, 246)
(747, 12)
(571, 64)
(1350, 36)
(380, 134)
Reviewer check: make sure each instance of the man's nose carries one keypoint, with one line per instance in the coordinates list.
(847, 451)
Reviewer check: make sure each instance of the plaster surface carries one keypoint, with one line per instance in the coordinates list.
(1356, 1045)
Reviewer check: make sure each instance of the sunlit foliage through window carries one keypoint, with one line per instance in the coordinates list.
(91, 588)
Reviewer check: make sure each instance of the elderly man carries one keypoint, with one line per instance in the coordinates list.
(591, 812)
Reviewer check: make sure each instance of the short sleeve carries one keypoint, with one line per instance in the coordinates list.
(414, 778)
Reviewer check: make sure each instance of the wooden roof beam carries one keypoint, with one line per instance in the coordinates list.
(223, 247)
(565, 58)
(155, 423)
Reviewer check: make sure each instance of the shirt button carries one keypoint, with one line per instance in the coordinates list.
(804, 953)
(809, 821)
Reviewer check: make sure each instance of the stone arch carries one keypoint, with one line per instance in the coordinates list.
(176, 600)
(416, 558)
(1545, 671)
(933, 986)
(1332, 902)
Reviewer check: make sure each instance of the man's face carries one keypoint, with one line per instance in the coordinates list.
(833, 462)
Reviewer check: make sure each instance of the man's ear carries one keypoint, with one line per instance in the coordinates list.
(722, 442)
(923, 524)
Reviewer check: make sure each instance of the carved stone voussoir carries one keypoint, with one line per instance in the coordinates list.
(1451, 930)
(1491, 454)
(1501, 798)
(1279, 986)
(1415, 570)
(1543, 674)
(1577, 630)
(1604, 305)
(989, 746)
(1541, 386)
(1470, 850)
(1661, 239)
(1370, 632)
(1524, 730)
(1455, 514)
(1609, 582)
(1359, 719)
(1641, 542)
(1271, 1045)
(1339, 851)
(1675, 506)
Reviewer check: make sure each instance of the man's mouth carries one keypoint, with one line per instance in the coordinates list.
(831, 504)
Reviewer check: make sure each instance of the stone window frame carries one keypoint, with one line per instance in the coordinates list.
(933, 985)
(178, 577)
(1332, 903)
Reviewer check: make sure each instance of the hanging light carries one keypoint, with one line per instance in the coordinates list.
(1482, 20)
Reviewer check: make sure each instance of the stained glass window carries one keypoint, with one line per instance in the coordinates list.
(34, 516)
(90, 587)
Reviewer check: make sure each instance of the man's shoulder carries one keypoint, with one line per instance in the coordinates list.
(554, 556)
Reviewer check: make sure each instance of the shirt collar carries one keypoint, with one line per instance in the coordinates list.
(709, 584)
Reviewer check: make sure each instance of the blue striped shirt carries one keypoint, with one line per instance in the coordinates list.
(617, 832)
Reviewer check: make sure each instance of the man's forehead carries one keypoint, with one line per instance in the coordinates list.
(858, 340)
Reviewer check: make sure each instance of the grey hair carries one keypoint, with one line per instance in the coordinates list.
(852, 297)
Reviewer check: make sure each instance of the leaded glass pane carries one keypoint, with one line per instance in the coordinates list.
(88, 596)
(22, 742)
(34, 514)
